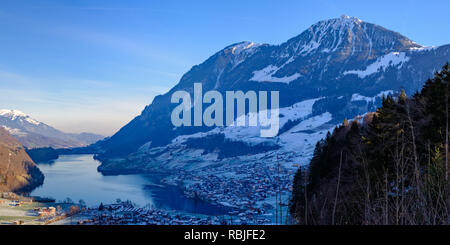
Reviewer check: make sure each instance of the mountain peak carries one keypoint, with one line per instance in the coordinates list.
(346, 17)
(348, 36)
(344, 21)
(16, 114)
(243, 47)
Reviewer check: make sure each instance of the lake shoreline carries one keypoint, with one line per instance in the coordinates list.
(141, 188)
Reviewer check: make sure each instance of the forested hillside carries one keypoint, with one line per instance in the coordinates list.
(391, 168)
(18, 173)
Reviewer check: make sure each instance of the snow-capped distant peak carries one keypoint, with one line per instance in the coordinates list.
(16, 114)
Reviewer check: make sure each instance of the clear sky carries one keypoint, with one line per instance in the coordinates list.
(92, 65)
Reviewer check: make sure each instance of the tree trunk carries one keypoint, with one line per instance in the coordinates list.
(446, 134)
(337, 191)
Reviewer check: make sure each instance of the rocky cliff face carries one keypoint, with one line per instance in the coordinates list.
(18, 173)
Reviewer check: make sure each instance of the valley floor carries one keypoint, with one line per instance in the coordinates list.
(125, 213)
(13, 212)
(253, 190)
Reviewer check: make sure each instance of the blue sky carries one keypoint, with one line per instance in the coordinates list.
(93, 65)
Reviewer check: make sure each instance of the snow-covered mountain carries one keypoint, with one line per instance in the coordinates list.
(336, 69)
(34, 134)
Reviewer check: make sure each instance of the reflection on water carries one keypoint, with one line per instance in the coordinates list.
(76, 177)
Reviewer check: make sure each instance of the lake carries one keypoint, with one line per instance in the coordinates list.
(76, 177)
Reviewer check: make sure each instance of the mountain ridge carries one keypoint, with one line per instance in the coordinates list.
(298, 74)
(34, 134)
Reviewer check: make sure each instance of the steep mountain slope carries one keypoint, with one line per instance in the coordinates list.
(345, 64)
(32, 133)
(17, 171)
(337, 69)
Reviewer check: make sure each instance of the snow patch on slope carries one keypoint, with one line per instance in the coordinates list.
(14, 131)
(251, 134)
(303, 137)
(381, 64)
(296, 144)
(358, 97)
(419, 49)
(308, 48)
(267, 74)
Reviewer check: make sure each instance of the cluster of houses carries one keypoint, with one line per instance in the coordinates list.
(126, 213)
(45, 211)
(16, 200)
(251, 188)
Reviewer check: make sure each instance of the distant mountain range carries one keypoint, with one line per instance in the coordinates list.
(34, 134)
(17, 171)
(336, 69)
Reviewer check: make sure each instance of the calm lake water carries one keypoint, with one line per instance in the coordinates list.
(76, 177)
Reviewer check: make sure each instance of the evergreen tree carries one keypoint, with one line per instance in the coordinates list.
(393, 169)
